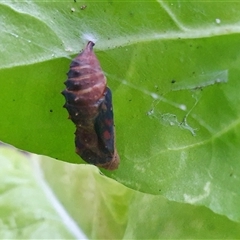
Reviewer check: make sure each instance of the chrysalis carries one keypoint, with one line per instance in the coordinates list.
(89, 104)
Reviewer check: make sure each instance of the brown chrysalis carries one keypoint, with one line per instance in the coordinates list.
(89, 104)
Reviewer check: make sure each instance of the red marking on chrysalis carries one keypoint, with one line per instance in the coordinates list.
(107, 135)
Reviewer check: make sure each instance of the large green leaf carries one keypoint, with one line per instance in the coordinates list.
(28, 207)
(37, 204)
(173, 68)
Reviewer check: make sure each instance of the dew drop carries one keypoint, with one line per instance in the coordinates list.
(154, 95)
(183, 107)
(15, 35)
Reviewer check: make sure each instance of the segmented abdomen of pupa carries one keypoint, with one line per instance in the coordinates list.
(89, 104)
(85, 86)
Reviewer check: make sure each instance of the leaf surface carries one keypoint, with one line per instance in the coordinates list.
(173, 68)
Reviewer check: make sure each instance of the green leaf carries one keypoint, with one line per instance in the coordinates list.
(28, 207)
(42, 198)
(173, 68)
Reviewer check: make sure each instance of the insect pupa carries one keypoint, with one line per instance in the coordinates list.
(89, 104)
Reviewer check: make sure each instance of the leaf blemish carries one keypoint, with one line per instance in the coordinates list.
(196, 83)
(194, 199)
(201, 81)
